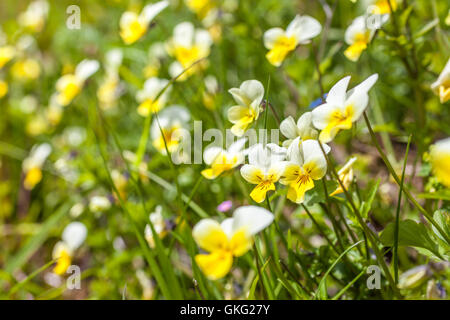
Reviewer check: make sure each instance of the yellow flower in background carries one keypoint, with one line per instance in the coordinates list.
(342, 108)
(441, 86)
(200, 7)
(134, 26)
(159, 225)
(32, 165)
(147, 97)
(34, 17)
(73, 237)
(110, 90)
(70, 85)
(7, 53)
(120, 182)
(26, 69)
(346, 176)
(3, 88)
(266, 165)
(173, 121)
(303, 129)
(248, 98)
(232, 238)
(357, 36)
(188, 46)
(208, 95)
(221, 160)
(306, 163)
(54, 111)
(156, 53)
(440, 161)
(281, 42)
(37, 125)
(382, 6)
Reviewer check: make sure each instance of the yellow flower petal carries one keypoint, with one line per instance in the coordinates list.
(209, 236)
(215, 265)
(259, 192)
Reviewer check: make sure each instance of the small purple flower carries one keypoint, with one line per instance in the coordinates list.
(317, 102)
(225, 206)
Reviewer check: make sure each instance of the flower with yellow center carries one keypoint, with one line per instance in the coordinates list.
(32, 165)
(110, 90)
(357, 36)
(26, 69)
(221, 160)
(172, 133)
(3, 88)
(265, 167)
(7, 53)
(248, 98)
(200, 7)
(382, 6)
(303, 129)
(134, 26)
(342, 108)
(306, 163)
(70, 85)
(159, 225)
(99, 204)
(441, 86)
(231, 238)
(73, 237)
(188, 46)
(346, 176)
(281, 42)
(440, 161)
(148, 97)
(33, 18)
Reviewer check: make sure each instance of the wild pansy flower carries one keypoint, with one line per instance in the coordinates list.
(441, 86)
(382, 6)
(306, 163)
(73, 237)
(32, 165)
(33, 18)
(70, 85)
(440, 161)
(357, 36)
(303, 129)
(134, 26)
(174, 122)
(221, 160)
(342, 108)
(188, 46)
(110, 90)
(266, 165)
(7, 53)
(200, 7)
(147, 96)
(26, 69)
(99, 204)
(159, 225)
(346, 176)
(281, 42)
(248, 98)
(231, 238)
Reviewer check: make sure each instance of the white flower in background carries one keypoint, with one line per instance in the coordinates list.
(357, 36)
(156, 53)
(70, 85)
(188, 46)
(248, 98)
(32, 165)
(303, 129)
(280, 42)
(441, 86)
(342, 108)
(174, 125)
(440, 161)
(73, 237)
(231, 238)
(99, 204)
(306, 163)
(208, 95)
(148, 96)
(414, 277)
(266, 165)
(221, 160)
(110, 90)
(159, 224)
(134, 26)
(33, 18)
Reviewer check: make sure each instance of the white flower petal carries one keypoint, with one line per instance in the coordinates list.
(304, 28)
(150, 11)
(74, 234)
(337, 94)
(271, 36)
(288, 128)
(253, 218)
(86, 68)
